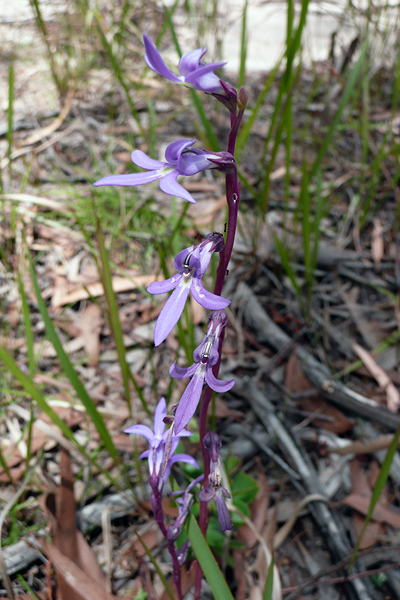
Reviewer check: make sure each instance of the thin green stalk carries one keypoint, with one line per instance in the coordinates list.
(117, 71)
(243, 48)
(378, 489)
(71, 373)
(208, 132)
(42, 28)
(29, 337)
(10, 111)
(113, 314)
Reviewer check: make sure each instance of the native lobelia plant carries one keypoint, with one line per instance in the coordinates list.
(183, 159)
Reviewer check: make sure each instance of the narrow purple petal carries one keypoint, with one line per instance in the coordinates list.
(206, 298)
(169, 185)
(206, 494)
(179, 458)
(161, 287)
(205, 79)
(172, 310)
(182, 372)
(190, 164)
(175, 149)
(155, 62)
(144, 454)
(141, 430)
(190, 61)
(161, 412)
(189, 401)
(141, 159)
(218, 385)
(131, 179)
(224, 517)
(180, 258)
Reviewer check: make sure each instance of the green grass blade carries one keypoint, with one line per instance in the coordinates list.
(117, 70)
(350, 85)
(156, 566)
(243, 48)
(71, 373)
(245, 132)
(28, 327)
(211, 571)
(40, 400)
(378, 489)
(115, 323)
(269, 585)
(10, 111)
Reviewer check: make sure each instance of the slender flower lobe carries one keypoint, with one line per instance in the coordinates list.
(192, 71)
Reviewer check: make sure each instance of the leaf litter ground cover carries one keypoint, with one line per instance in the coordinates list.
(315, 404)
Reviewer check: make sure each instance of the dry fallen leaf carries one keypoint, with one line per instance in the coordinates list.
(381, 513)
(392, 394)
(362, 487)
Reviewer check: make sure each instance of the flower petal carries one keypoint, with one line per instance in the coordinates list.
(169, 185)
(191, 163)
(171, 312)
(190, 61)
(180, 258)
(160, 287)
(179, 458)
(218, 385)
(181, 372)
(141, 430)
(204, 78)
(131, 179)
(175, 149)
(161, 412)
(224, 517)
(206, 494)
(206, 298)
(141, 159)
(155, 62)
(189, 401)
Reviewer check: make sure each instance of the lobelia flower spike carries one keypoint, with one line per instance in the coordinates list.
(180, 159)
(205, 356)
(160, 464)
(191, 263)
(212, 443)
(192, 71)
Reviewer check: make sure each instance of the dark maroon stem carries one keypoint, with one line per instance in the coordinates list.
(159, 518)
(233, 199)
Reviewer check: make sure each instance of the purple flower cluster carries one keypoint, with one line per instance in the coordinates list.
(162, 447)
(180, 159)
(191, 263)
(205, 357)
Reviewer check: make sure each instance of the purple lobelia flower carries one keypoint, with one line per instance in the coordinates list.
(192, 71)
(180, 159)
(212, 444)
(205, 356)
(191, 263)
(162, 446)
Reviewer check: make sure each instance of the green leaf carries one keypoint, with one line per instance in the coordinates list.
(269, 585)
(244, 487)
(211, 571)
(71, 373)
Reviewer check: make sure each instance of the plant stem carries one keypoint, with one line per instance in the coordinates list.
(156, 505)
(233, 198)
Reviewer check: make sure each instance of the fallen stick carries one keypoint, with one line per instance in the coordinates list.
(268, 332)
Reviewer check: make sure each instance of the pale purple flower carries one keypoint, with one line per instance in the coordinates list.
(191, 263)
(180, 159)
(161, 443)
(192, 71)
(205, 356)
(212, 444)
